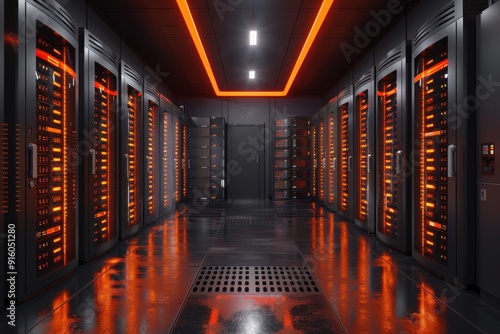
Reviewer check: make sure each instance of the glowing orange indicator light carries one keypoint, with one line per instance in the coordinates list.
(189, 20)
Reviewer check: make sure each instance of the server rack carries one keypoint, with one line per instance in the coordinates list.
(40, 137)
(322, 152)
(131, 181)
(185, 169)
(178, 154)
(345, 153)
(444, 160)
(314, 157)
(97, 149)
(393, 220)
(488, 139)
(364, 142)
(199, 159)
(292, 158)
(330, 154)
(166, 155)
(151, 153)
(217, 158)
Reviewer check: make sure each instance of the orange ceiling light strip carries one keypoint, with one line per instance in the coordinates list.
(318, 22)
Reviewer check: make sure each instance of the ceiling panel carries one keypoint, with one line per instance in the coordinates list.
(157, 30)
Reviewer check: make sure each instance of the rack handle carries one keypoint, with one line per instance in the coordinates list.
(334, 163)
(452, 149)
(93, 167)
(369, 163)
(32, 161)
(399, 158)
(127, 172)
(349, 163)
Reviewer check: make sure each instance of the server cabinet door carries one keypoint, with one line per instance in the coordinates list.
(345, 155)
(330, 155)
(435, 184)
(151, 160)
(131, 177)
(97, 149)
(51, 135)
(322, 159)
(364, 174)
(166, 156)
(393, 225)
(177, 159)
(314, 158)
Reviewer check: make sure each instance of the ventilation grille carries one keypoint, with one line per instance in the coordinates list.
(391, 58)
(251, 221)
(165, 103)
(130, 73)
(252, 280)
(58, 13)
(95, 45)
(151, 89)
(345, 93)
(442, 18)
(332, 105)
(365, 78)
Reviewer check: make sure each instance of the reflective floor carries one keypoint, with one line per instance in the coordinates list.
(249, 266)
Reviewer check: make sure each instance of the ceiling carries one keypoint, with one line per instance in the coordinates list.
(157, 28)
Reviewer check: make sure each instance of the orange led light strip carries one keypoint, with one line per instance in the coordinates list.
(56, 62)
(104, 89)
(318, 22)
(438, 67)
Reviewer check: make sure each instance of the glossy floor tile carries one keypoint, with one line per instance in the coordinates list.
(250, 266)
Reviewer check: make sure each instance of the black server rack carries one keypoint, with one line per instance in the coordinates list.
(184, 160)
(217, 158)
(292, 158)
(131, 153)
(443, 143)
(98, 126)
(199, 156)
(330, 145)
(314, 157)
(40, 140)
(151, 153)
(393, 219)
(345, 150)
(364, 151)
(322, 129)
(166, 202)
(179, 154)
(488, 139)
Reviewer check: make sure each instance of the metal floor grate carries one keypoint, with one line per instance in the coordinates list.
(251, 221)
(251, 280)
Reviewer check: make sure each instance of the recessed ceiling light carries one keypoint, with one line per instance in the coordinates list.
(251, 74)
(253, 37)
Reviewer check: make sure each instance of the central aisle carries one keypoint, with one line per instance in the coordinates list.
(254, 280)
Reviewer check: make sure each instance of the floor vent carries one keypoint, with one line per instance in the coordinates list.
(250, 221)
(255, 280)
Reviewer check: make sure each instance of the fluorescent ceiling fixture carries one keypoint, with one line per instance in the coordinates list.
(251, 74)
(253, 37)
(318, 22)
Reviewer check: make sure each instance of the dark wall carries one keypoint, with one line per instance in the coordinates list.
(245, 111)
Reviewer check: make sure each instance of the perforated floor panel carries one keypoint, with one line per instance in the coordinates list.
(255, 280)
(250, 221)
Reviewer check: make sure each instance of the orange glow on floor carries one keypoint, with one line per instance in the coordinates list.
(193, 30)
